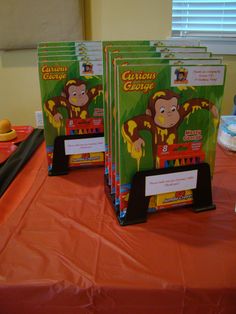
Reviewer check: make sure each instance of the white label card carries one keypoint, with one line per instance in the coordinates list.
(85, 145)
(197, 75)
(171, 182)
(89, 68)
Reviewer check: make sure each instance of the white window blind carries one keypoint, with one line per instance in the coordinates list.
(204, 18)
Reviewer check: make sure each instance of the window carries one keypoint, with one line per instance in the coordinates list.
(204, 18)
(208, 20)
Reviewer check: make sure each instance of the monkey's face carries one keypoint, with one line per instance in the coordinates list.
(166, 112)
(78, 95)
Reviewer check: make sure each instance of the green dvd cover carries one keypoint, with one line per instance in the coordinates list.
(68, 57)
(167, 115)
(175, 42)
(124, 58)
(114, 54)
(76, 52)
(85, 44)
(72, 103)
(166, 49)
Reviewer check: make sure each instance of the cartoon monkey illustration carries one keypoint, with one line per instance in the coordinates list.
(75, 98)
(163, 117)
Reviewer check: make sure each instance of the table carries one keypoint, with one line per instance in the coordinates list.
(63, 251)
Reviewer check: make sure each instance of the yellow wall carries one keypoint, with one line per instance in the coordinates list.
(104, 19)
(127, 19)
(19, 87)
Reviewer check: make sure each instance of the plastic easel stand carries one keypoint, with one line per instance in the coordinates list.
(60, 161)
(138, 203)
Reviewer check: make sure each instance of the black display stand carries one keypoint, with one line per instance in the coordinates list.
(138, 202)
(14, 164)
(60, 162)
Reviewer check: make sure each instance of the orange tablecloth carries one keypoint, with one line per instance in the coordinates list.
(63, 251)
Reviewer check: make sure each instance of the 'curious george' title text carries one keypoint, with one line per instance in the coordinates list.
(54, 72)
(138, 81)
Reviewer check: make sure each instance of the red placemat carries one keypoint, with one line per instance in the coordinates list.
(22, 133)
